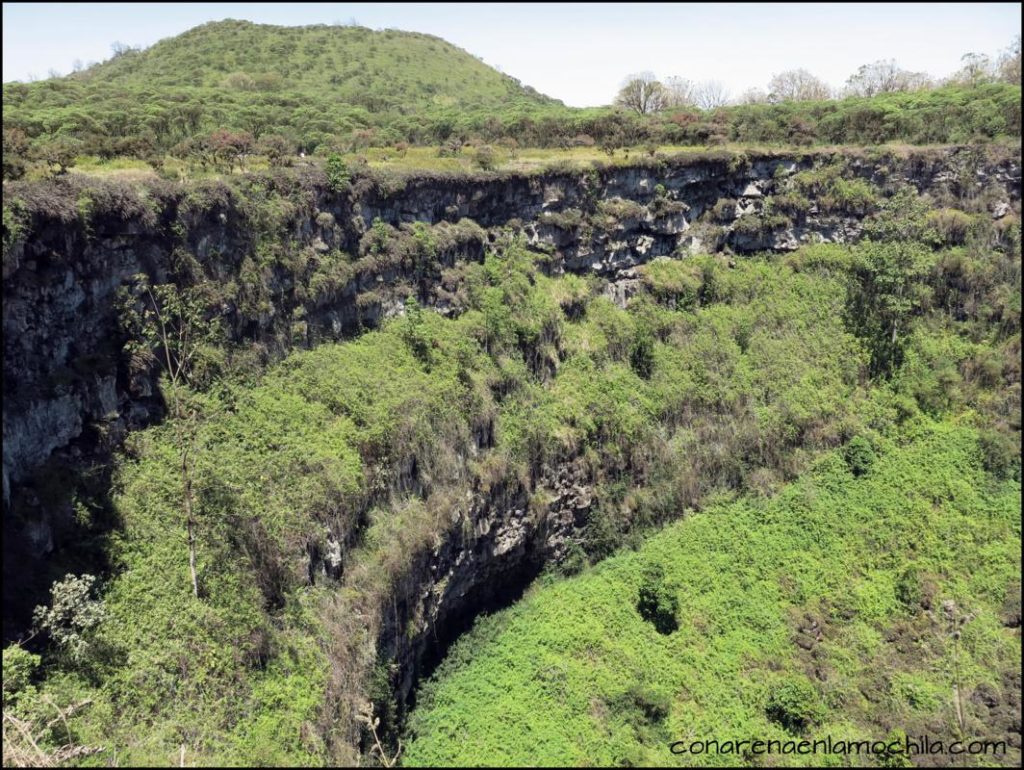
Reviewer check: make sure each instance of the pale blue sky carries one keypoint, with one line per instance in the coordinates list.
(576, 52)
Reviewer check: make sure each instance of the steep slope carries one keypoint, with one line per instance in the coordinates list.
(360, 504)
(828, 610)
(298, 263)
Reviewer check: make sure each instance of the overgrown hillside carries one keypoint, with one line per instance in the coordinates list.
(386, 70)
(310, 83)
(876, 598)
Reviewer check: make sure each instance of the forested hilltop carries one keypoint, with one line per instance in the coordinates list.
(233, 94)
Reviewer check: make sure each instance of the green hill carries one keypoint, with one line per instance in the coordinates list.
(306, 83)
(380, 71)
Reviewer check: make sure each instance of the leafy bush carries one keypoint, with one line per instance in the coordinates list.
(887, 294)
(641, 355)
(19, 667)
(950, 225)
(1001, 453)
(834, 190)
(859, 455)
(657, 602)
(909, 589)
(676, 281)
(795, 705)
(485, 158)
(415, 331)
(72, 615)
(337, 173)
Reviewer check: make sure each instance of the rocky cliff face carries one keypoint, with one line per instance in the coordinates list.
(333, 261)
(483, 563)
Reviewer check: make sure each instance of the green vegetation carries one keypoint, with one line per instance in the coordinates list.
(791, 620)
(310, 84)
(658, 604)
(832, 188)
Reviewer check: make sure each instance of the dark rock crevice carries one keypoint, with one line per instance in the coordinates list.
(484, 563)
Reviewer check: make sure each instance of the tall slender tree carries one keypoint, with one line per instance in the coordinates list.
(169, 323)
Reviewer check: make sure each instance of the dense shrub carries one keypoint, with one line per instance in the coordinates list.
(321, 480)
(795, 705)
(586, 678)
(657, 602)
(859, 455)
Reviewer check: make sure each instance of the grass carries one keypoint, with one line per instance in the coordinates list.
(428, 159)
(526, 159)
(414, 159)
